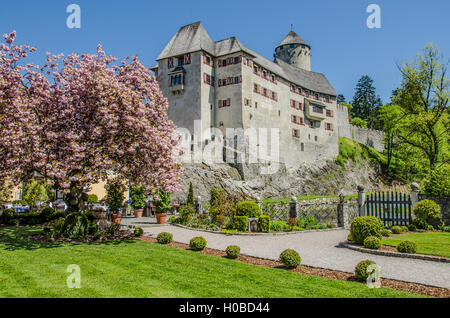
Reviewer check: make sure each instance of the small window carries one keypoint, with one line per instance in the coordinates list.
(302, 146)
(221, 124)
(315, 138)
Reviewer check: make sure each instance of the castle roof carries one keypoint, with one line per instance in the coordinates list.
(194, 38)
(292, 38)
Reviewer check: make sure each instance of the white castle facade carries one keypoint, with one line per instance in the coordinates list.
(227, 85)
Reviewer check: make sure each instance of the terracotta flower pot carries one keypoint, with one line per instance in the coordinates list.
(161, 218)
(138, 213)
(116, 218)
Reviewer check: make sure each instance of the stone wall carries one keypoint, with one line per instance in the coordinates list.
(444, 203)
(365, 136)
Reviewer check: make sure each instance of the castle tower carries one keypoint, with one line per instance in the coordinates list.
(295, 51)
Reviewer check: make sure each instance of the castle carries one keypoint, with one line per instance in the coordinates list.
(227, 85)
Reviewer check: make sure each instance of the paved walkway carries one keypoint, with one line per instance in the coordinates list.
(319, 249)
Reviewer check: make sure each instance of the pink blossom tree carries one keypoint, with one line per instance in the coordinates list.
(77, 119)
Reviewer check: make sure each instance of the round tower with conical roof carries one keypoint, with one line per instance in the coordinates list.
(295, 51)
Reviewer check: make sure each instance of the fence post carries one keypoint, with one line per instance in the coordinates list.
(293, 208)
(198, 205)
(414, 197)
(340, 212)
(361, 200)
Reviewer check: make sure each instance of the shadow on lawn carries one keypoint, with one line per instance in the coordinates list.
(14, 238)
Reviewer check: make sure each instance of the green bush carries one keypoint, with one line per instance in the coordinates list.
(186, 212)
(215, 195)
(412, 228)
(197, 243)
(446, 228)
(54, 227)
(290, 258)
(241, 223)
(430, 228)
(396, 229)
(164, 238)
(90, 216)
(7, 216)
(365, 226)
(93, 229)
(264, 223)
(407, 247)
(233, 251)
(421, 224)
(115, 189)
(372, 243)
(221, 220)
(20, 202)
(385, 232)
(46, 214)
(75, 226)
(279, 226)
(249, 209)
(359, 122)
(190, 197)
(430, 211)
(439, 182)
(350, 237)
(138, 231)
(137, 197)
(92, 198)
(361, 270)
(404, 229)
(112, 230)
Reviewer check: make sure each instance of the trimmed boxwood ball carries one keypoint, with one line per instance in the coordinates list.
(361, 270)
(396, 229)
(421, 224)
(241, 223)
(365, 226)
(264, 223)
(138, 231)
(7, 216)
(233, 251)
(386, 233)
(290, 258)
(372, 243)
(197, 243)
(427, 210)
(46, 214)
(164, 238)
(248, 208)
(404, 229)
(412, 228)
(407, 247)
(350, 237)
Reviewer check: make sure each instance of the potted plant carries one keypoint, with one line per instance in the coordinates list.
(162, 205)
(137, 197)
(115, 190)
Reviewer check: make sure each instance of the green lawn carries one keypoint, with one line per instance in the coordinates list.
(142, 269)
(431, 243)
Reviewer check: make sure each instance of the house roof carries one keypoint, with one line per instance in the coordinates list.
(194, 38)
(292, 38)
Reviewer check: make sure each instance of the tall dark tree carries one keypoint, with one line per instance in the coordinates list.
(190, 198)
(366, 102)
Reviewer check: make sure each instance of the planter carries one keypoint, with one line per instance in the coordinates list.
(161, 218)
(138, 213)
(116, 218)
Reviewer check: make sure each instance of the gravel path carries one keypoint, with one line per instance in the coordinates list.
(319, 249)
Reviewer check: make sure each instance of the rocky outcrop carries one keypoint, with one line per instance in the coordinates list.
(323, 178)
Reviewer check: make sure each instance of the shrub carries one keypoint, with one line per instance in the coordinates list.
(138, 231)
(241, 223)
(365, 226)
(396, 229)
(350, 237)
(430, 228)
(412, 228)
(279, 226)
(385, 232)
(446, 228)
(164, 238)
(92, 198)
(420, 223)
(93, 229)
(359, 122)
(197, 243)
(186, 212)
(404, 229)
(361, 270)
(90, 216)
(372, 243)
(190, 197)
(46, 214)
(115, 189)
(310, 221)
(7, 216)
(233, 251)
(75, 226)
(112, 230)
(249, 209)
(290, 258)
(221, 220)
(20, 202)
(264, 223)
(407, 247)
(54, 227)
(215, 194)
(137, 197)
(430, 211)
(439, 182)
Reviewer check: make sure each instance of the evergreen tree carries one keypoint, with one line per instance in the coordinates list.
(366, 103)
(190, 198)
(340, 99)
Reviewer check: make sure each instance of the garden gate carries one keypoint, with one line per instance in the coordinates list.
(392, 208)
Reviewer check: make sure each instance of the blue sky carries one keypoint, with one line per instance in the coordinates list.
(342, 46)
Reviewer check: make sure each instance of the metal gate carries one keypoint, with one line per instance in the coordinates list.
(393, 208)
